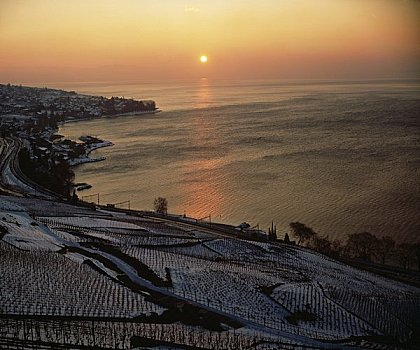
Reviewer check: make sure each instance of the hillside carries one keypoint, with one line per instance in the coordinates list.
(81, 277)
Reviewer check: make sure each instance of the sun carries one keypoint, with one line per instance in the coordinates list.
(203, 59)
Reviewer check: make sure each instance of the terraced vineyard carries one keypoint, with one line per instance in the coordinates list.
(75, 277)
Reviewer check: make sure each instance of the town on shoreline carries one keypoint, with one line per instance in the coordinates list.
(33, 115)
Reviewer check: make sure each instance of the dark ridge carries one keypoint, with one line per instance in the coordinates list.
(89, 263)
(179, 310)
(79, 233)
(108, 263)
(3, 231)
(142, 269)
(298, 316)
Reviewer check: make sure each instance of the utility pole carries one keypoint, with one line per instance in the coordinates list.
(91, 195)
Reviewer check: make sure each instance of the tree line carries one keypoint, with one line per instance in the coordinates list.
(365, 246)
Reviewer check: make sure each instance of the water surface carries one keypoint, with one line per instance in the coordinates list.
(340, 157)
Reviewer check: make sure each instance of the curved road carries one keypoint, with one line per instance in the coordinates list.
(12, 180)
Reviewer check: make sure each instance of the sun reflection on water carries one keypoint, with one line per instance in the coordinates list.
(203, 186)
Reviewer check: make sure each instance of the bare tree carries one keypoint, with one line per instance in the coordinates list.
(161, 205)
(320, 244)
(301, 231)
(336, 248)
(408, 254)
(361, 245)
(384, 248)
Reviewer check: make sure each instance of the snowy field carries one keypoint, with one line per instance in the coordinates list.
(61, 263)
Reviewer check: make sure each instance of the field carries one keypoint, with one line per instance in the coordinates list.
(73, 277)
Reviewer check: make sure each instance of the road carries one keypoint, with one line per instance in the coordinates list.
(12, 180)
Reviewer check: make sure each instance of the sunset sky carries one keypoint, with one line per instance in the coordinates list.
(91, 40)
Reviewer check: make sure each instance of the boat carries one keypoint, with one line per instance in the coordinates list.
(84, 186)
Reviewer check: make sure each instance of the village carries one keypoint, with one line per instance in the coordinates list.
(32, 115)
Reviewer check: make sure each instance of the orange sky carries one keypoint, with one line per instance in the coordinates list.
(85, 40)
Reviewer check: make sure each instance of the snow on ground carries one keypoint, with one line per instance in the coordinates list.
(156, 260)
(68, 236)
(173, 229)
(84, 160)
(35, 283)
(40, 207)
(236, 249)
(86, 222)
(229, 292)
(88, 149)
(7, 205)
(330, 316)
(24, 232)
(338, 295)
(10, 180)
(96, 145)
(149, 240)
(267, 286)
(199, 250)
